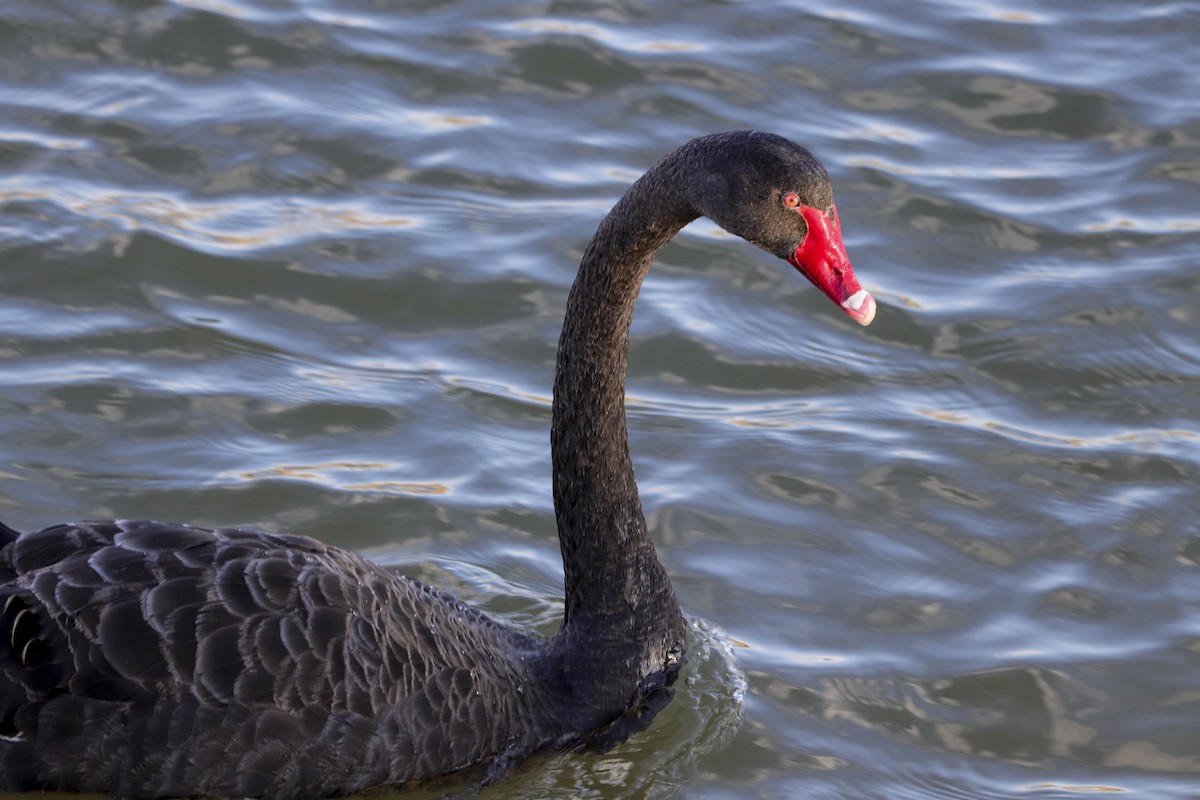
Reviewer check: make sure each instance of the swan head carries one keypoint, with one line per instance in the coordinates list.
(775, 194)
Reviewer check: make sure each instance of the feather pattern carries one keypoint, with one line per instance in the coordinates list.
(138, 655)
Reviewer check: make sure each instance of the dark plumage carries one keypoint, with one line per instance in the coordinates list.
(151, 659)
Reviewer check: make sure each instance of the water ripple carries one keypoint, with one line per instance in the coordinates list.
(303, 265)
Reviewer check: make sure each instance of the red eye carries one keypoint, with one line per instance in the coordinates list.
(791, 199)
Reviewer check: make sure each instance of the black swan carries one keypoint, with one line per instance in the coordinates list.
(149, 659)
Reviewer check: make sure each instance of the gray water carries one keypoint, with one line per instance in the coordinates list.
(301, 264)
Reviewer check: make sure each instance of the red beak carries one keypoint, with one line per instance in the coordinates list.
(822, 258)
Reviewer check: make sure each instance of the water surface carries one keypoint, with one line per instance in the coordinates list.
(301, 264)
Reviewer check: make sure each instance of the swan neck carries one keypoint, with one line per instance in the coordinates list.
(616, 588)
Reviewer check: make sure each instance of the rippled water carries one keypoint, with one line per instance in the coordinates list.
(302, 263)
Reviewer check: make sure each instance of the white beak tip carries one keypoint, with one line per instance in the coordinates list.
(860, 306)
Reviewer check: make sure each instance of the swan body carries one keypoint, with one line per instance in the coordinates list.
(150, 659)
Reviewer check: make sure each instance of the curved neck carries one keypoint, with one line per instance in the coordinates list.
(616, 588)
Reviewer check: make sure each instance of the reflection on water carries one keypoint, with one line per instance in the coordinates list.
(303, 265)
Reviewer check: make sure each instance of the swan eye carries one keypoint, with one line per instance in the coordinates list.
(791, 199)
